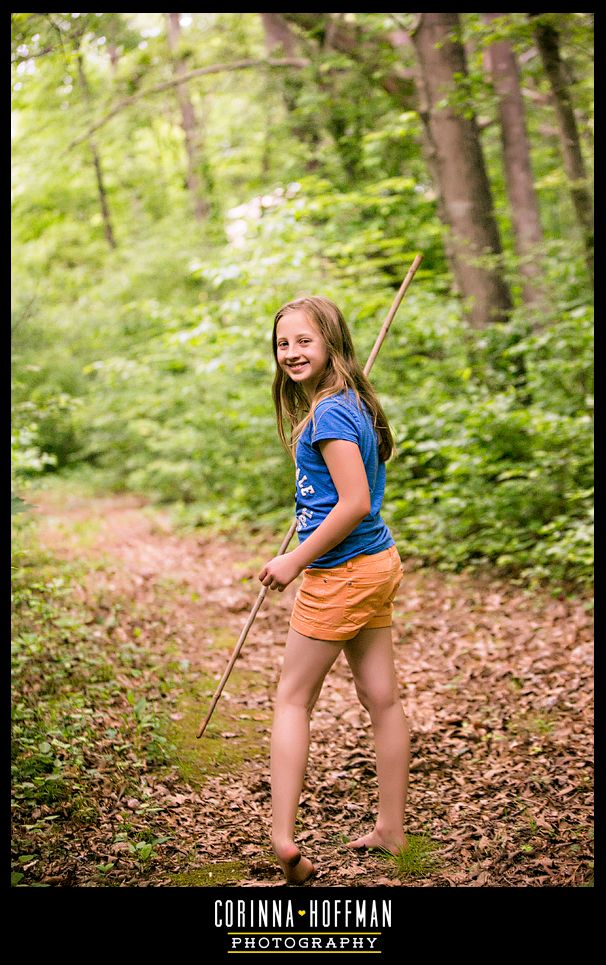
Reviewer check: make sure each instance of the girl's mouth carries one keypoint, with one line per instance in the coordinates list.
(298, 367)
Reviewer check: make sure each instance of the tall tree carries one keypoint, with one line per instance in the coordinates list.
(548, 42)
(401, 38)
(278, 35)
(280, 41)
(103, 202)
(516, 160)
(341, 110)
(367, 51)
(460, 167)
(201, 206)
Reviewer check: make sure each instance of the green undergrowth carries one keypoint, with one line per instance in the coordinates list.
(418, 860)
(84, 700)
(96, 688)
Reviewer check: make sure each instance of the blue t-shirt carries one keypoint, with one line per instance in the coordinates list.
(338, 417)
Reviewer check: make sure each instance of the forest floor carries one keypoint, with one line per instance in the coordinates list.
(123, 627)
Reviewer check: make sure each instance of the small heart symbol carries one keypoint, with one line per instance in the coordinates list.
(302, 912)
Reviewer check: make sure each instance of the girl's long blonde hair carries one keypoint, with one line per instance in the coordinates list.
(342, 371)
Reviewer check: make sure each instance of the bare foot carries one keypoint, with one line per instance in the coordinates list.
(297, 869)
(391, 843)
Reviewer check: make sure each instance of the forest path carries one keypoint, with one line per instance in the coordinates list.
(496, 683)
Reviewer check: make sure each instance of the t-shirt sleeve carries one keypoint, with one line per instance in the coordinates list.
(334, 421)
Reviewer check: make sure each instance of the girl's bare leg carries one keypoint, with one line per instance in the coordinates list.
(306, 663)
(370, 656)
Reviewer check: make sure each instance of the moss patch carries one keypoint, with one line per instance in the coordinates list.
(231, 738)
(540, 724)
(221, 873)
(222, 638)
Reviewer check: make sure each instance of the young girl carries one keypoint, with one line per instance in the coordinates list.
(340, 441)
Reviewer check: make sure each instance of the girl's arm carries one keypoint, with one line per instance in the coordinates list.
(345, 465)
(346, 468)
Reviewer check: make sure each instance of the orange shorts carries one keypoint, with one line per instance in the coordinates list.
(336, 603)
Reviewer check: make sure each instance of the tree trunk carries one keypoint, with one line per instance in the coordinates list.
(400, 39)
(279, 35)
(103, 202)
(367, 52)
(461, 171)
(188, 122)
(548, 42)
(280, 41)
(516, 158)
(113, 57)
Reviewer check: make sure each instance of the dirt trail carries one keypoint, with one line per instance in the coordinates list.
(496, 683)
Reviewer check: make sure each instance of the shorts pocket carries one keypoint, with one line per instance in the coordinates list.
(372, 593)
(322, 599)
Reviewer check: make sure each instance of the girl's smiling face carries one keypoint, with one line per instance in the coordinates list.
(301, 351)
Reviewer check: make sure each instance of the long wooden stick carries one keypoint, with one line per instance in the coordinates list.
(263, 592)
